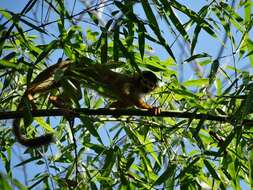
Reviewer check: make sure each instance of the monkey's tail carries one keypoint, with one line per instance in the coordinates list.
(34, 142)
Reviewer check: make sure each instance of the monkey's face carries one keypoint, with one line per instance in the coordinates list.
(148, 82)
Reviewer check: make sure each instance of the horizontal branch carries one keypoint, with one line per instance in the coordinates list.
(110, 111)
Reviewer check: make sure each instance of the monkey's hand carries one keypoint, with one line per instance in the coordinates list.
(155, 110)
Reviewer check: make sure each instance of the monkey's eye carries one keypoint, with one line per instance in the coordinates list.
(146, 80)
(147, 85)
(151, 85)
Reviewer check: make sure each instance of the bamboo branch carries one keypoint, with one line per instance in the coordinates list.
(128, 112)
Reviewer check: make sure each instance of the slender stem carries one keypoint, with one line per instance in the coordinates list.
(128, 112)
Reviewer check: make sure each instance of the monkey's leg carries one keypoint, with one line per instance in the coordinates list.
(30, 99)
(59, 102)
(62, 103)
(119, 104)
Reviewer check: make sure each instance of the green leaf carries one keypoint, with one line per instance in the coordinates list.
(195, 38)
(4, 184)
(188, 167)
(250, 166)
(127, 11)
(33, 26)
(48, 48)
(29, 6)
(104, 47)
(154, 64)
(42, 178)
(211, 170)
(197, 82)
(175, 20)
(155, 27)
(21, 32)
(218, 85)
(197, 56)
(8, 64)
(128, 55)
(110, 160)
(203, 11)
(231, 12)
(68, 51)
(250, 49)
(141, 38)
(150, 15)
(115, 44)
(167, 174)
(99, 149)
(186, 93)
(195, 17)
(44, 124)
(10, 56)
(72, 90)
(90, 126)
(227, 141)
(214, 69)
(248, 103)
(149, 147)
(6, 162)
(23, 163)
(6, 14)
(195, 134)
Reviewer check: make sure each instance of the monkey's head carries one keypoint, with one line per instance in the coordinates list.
(147, 81)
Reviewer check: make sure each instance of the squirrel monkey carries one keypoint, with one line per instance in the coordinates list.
(128, 91)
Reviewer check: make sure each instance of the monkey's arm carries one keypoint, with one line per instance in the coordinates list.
(138, 103)
(141, 104)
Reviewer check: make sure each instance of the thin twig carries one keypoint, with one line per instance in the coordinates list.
(129, 112)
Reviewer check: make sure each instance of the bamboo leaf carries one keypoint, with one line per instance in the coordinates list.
(110, 160)
(155, 27)
(104, 48)
(196, 83)
(195, 38)
(214, 69)
(167, 174)
(195, 17)
(141, 38)
(33, 26)
(115, 44)
(197, 56)
(90, 127)
(44, 124)
(173, 17)
(48, 48)
(211, 170)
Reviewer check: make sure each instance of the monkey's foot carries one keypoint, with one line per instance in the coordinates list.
(57, 101)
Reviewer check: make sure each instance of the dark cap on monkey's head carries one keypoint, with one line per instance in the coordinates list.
(150, 76)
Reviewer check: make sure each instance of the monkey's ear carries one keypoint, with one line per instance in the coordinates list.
(137, 75)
